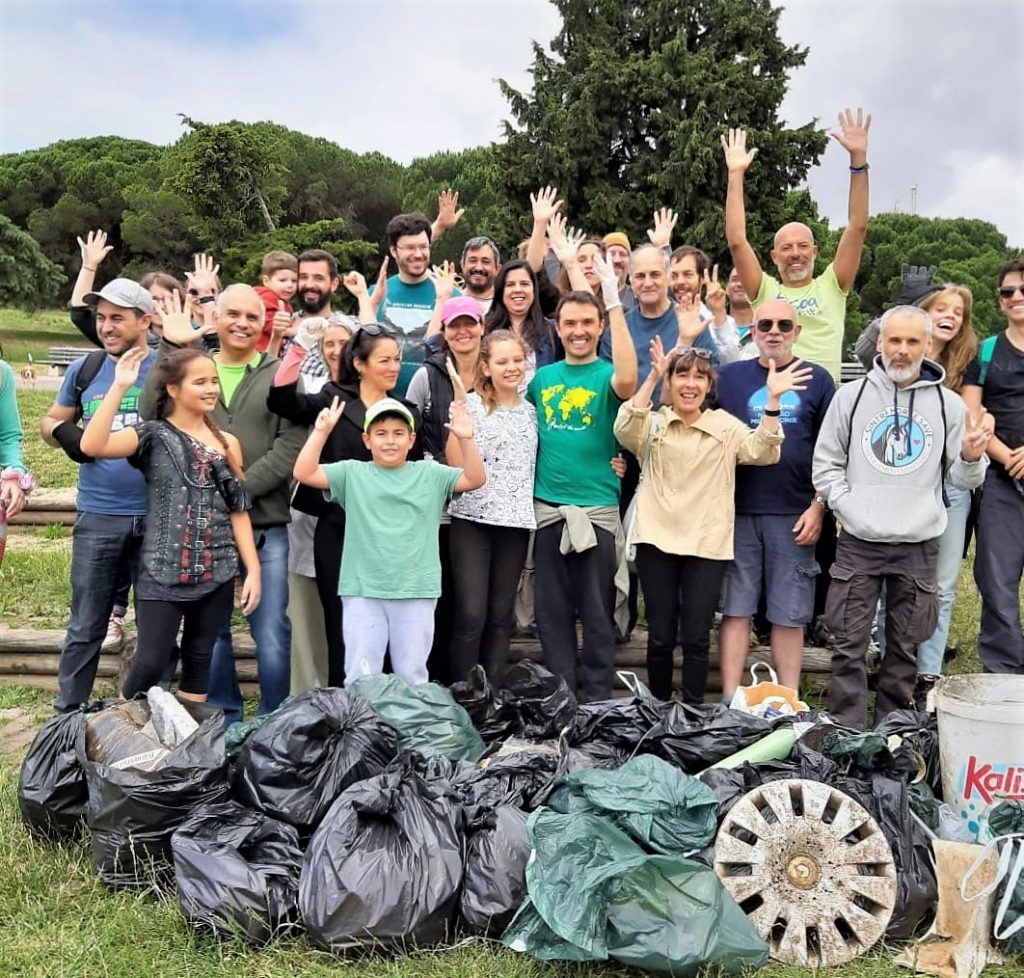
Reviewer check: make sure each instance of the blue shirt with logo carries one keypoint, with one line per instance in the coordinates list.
(786, 487)
(108, 486)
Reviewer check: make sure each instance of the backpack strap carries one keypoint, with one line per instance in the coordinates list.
(91, 366)
(988, 347)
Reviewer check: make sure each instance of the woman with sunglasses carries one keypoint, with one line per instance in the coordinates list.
(367, 372)
(683, 529)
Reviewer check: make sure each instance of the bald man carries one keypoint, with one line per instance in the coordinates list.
(270, 445)
(778, 516)
(820, 302)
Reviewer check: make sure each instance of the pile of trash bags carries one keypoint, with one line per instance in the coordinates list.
(384, 815)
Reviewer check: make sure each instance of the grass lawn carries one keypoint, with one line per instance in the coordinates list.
(22, 333)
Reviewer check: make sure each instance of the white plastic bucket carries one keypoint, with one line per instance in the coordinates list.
(981, 744)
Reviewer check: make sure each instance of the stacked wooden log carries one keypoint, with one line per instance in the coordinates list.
(46, 506)
(30, 656)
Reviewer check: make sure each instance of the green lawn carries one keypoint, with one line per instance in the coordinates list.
(22, 333)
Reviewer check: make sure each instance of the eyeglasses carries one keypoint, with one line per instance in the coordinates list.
(765, 325)
(1009, 291)
(696, 351)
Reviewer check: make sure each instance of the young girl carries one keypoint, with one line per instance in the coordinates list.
(685, 512)
(491, 526)
(197, 520)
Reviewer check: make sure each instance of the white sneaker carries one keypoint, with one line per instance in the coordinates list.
(115, 633)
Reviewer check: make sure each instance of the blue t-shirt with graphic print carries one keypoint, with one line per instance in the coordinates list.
(786, 487)
(108, 486)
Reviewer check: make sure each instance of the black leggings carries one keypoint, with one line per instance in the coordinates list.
(158, 623)
(327, 543)
(663, 576)
(486, 564)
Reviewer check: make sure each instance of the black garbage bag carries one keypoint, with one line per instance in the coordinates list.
(543, 702)
(493, 715)
(521, 772)
(695, 737)
(133, 812)
(494, 884)
(237, 871)
(622, 724)
(385, 865)
(295, 765)
(920, 733)
(52, 793)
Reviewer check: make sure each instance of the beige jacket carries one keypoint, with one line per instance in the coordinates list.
(686, 503)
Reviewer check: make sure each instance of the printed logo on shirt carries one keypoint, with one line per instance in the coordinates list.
(127, 414)
(567, 410)
(808, 306)
(895, 445)
(789, 405)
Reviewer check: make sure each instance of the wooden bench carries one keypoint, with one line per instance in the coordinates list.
(851, 370)
(61, 357)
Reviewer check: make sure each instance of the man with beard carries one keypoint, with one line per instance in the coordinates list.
(111, 493)
(820, 302)
(891, 509)
(317, 283)
(617, 250)
(270, 445)
(480, 262)
(778, 516)
(689, 270)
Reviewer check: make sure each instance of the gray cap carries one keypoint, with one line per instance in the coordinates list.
(125, 293)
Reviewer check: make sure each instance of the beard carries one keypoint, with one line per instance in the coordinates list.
(900, 375)
(312, 308)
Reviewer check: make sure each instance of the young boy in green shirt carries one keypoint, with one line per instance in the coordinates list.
(390, 568)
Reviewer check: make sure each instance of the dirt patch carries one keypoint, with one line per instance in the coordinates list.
(18, 726)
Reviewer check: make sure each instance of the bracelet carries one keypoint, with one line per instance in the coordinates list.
(88, 269)
(863, 168)
(26, 480)
(203, 299)
(777, 413)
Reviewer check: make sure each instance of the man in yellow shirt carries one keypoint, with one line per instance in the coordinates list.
(820, 303)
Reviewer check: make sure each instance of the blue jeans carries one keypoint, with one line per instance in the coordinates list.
(271, 631)
(102, 548)
(951, 554)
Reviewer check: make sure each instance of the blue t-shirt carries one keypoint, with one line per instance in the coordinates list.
(784, 488)
(108, 486)
(408, 307)
(643, 329)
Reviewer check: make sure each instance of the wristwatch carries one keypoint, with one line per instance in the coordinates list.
(821, 501)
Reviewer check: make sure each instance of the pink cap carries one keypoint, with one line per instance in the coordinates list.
(463, 305)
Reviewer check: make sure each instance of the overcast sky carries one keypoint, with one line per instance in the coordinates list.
(409, 78)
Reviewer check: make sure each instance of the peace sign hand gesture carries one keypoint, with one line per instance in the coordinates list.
(976, 436)
(329, 416)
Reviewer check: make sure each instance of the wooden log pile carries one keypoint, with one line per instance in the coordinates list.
(29, 656)
(46, 506)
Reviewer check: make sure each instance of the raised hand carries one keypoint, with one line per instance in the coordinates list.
(609, 282)
(664, 222)
(793, 377)
(310, 332)
(688, 319)
(203, 277)
(853, 135)
(329, 416)
(659, 361)
(380, 293)
(443, 277)
(544, 205)
(126, 372)
(94, 249)
(355, 283)
(714, 294)
(460, 422)
(564, 241)
(737, 157)
(176, 322)
(448, 211)
(457, 385)
(975, 440)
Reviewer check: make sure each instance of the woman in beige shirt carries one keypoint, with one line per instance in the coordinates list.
(685, 510)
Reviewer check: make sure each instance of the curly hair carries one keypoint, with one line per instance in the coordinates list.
(963, 347)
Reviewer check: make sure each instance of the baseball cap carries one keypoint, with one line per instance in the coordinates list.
(125, 293)
(388, 406)
(463, 305)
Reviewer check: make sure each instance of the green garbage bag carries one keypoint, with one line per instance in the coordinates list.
(595, 895)
(656, 804)
(426, 717)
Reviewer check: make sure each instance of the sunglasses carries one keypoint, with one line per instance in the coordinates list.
(695, 351)
(375, 329)
(765, 325)
(1009, 291)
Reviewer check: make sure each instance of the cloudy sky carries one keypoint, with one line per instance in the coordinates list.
(409, 78)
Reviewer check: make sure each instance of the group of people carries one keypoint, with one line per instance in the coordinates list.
(395, 489)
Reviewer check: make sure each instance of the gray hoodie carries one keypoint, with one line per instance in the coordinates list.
(885, 482)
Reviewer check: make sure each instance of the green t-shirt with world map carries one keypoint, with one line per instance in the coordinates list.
(576, 410)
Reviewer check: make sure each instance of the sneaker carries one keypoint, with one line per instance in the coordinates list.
(922, 688)
(115, 633)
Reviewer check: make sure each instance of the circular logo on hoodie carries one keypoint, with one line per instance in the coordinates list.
(897, 444)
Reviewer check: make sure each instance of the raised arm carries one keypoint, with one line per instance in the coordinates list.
(565, 243)
(443, 277)
(460, 427)
(624, 362)
(356, 285)
(97, 440)
(737, 159)
(308, 469)
(448, 213)
(94, 249)
(545, 207)
(853, 137)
